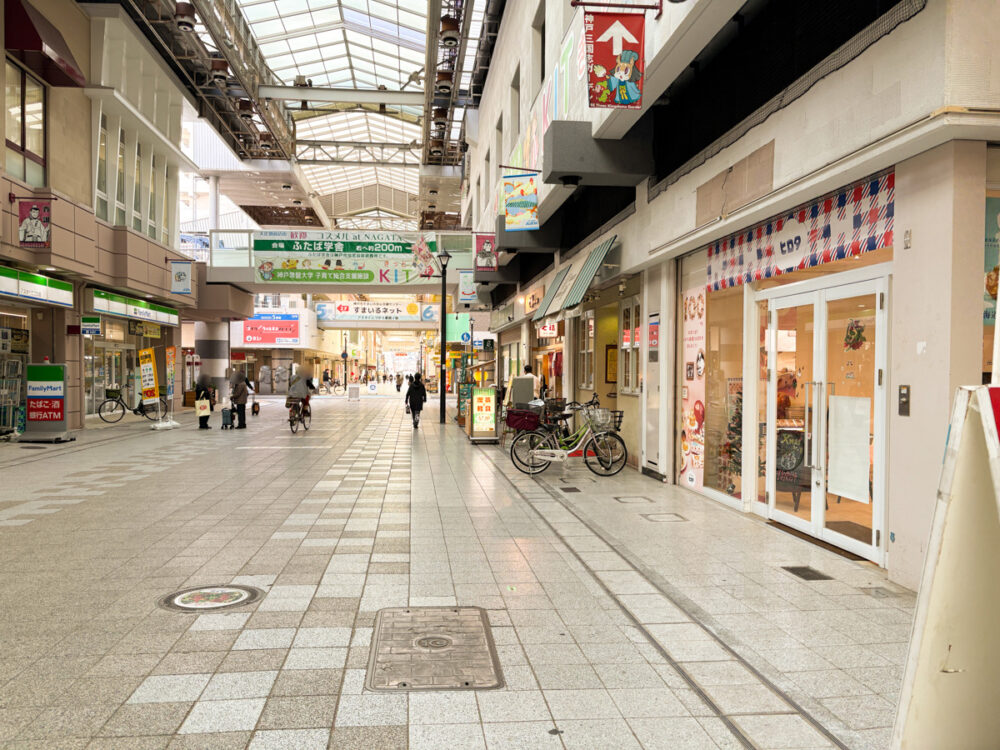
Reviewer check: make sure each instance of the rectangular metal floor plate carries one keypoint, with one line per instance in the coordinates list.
(807, 573)
(433, 648)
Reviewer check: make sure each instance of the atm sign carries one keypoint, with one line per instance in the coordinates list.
(45, 409)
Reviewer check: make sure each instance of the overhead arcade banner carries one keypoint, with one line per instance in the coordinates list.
(376, 258)
(520, 201)
(615, 59)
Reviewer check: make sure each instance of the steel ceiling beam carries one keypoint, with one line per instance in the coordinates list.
(355, 163)
(358, 153)
(346, 96)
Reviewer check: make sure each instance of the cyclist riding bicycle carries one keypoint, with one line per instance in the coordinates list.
(302, 387)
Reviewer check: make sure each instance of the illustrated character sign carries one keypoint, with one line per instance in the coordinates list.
(615, 59)
(33, 223)
(486, 255)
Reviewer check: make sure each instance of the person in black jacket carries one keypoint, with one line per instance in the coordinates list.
(416, 396)
(203, 391)
(240, 392)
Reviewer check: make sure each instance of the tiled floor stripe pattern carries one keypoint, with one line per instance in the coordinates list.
(362, 513)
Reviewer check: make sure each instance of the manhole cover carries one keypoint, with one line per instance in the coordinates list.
(209, 598)
(806, 573)
(433, 648)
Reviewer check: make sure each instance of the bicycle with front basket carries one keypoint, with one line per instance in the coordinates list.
(602, 449)
(113, 407)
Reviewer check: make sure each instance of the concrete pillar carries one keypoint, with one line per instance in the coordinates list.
(212, 345)
(281, 367)
(213, 202)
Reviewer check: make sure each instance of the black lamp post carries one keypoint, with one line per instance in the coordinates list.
(443, 257)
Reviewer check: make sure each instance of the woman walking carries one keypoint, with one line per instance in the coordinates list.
(239, 396)
(203, 392)
(416, 396)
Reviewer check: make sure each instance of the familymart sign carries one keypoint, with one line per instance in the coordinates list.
(135, 309)
(35, 287)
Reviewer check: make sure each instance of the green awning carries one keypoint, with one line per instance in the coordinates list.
(550, 293)
(587, 273)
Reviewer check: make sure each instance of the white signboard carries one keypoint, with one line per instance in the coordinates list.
(467, 288)
(850, 458)
(180, 276)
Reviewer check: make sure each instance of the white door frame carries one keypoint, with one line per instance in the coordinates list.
(869, 280)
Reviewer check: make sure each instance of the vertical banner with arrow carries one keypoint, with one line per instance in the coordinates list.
(616, 59)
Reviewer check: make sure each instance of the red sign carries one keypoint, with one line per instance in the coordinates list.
(627, 337)
(654, 334)
(278, 332)
(33, 223)
(238, 356)
(616, 59)
(45, 409)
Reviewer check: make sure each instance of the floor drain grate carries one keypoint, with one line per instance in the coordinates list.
(806, 573)
(433, 648)
(627, 499)
(570, 489)
(210, 598)
(33, 447)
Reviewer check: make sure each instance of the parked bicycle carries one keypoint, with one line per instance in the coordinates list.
(596, 439)
(113, 408)
(298, 414)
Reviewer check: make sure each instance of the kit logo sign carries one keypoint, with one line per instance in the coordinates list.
(615, 59)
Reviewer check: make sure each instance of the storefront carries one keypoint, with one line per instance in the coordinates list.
(548, 355)
(782, 345)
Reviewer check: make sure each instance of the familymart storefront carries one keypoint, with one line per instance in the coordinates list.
(782, 346)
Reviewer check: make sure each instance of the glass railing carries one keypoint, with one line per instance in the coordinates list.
(230, 248)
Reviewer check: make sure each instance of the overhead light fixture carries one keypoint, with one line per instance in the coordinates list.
(184, 16)
(49, 268)
(245, 107)
(220, 71)
(520, 300)
(445, 83)
(286, 186)
(296, 202)
(432, 191)
(450, 35)
(266, 141)
(149, 296)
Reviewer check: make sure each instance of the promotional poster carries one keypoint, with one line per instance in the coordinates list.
(615, 59)
(520, 201)
(692, 442)
(33, 223)
(486, 254)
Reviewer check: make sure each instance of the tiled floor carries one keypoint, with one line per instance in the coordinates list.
(614, 628)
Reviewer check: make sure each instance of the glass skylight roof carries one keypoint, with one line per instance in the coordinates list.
(361, 44)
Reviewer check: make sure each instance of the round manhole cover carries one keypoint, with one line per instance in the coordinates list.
(434, 642)
(210, 598)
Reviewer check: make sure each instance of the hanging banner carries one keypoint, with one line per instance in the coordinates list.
(329, 312)
(180, 277)
(520, 201)
(377, 258)
(33, 223)
(615, 59)
(171, 359)
(147, 377)
(853, 220)
(486, 254)
(467, 287)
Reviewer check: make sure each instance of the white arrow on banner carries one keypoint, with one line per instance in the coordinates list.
(617, 33)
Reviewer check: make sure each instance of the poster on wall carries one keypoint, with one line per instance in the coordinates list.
(34, 218)
(19, 338)
(147, 377)
(991, 260)
(4, 341)
(467, 287)
(376, 258)
(486, 254)
(692, 429)
(280, 329)
(180, 277)
(520, 201)
(615, 59)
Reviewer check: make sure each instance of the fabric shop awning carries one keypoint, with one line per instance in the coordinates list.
(550, 294)
(33, 40)
(587, 273)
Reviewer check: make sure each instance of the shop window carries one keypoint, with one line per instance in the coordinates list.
(585, 350)
(630, 346)
(25, 123)
(102, 171)
(120, 190)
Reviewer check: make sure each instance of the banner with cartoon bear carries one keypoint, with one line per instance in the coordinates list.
(377, 258)
(616, 61)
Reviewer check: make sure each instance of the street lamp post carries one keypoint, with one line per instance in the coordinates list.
(443, 257)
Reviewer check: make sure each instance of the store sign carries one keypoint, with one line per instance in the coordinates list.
(171, 361)
(90, 325)
(46, 397)
(467, 287)
(615, 59)
(484, 415)
(271, 329)
(143, 328)
(654, 331)
(533, 299)
(548, 331)
(136, 309)
(147, 377)
(35, 287)
(377, 258)
(520, 201)
(853, 220)
(486, 254)
(180, 276)
(34, 218)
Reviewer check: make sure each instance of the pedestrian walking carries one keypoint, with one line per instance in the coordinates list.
(239, 397)
(327, 380)
(416, 396)
(203, 391)
(399, 382)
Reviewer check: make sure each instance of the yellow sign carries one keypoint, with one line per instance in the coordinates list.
(147, 377)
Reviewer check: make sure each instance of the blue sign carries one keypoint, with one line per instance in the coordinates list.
(274, 316)
(466, 337)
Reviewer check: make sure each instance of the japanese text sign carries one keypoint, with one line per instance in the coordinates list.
(147, 377)
(616, 60)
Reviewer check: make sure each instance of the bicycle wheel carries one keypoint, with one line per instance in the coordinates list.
(293, 420)
(111, 410)
(150, 412)
(306, 419)
(339, 390)
(605, 454)
(520, 451)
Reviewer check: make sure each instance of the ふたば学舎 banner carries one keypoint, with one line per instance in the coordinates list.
(376, 258)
